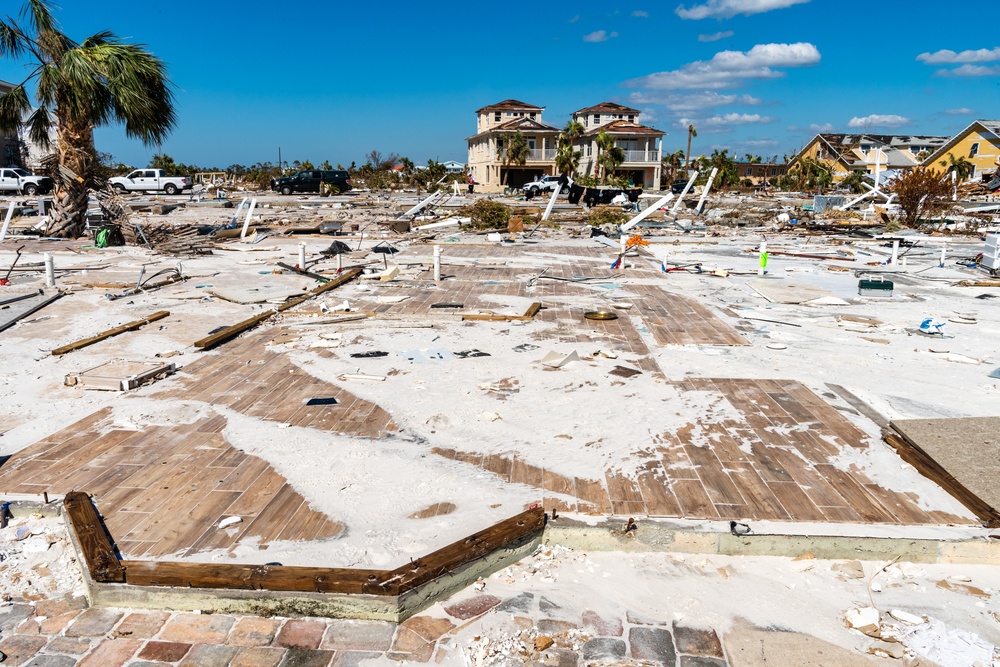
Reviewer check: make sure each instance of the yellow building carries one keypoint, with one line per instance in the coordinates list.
(979, 144)
(846, 153)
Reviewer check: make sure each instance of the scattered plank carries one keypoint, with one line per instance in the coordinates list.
(32, 309)
(110, 333)
(249, 323)
(528, 315)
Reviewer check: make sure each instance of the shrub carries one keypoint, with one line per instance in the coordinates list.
(606, 215)
(921, 193)
(487, 214)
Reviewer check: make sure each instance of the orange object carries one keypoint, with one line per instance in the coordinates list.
(636, 240)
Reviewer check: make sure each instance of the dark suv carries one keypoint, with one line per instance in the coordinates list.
(309, 181)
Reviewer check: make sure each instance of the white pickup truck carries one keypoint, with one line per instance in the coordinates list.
(15, 179)
(150, 179)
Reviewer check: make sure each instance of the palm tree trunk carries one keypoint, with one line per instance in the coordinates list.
(69, 202)
(687, 156)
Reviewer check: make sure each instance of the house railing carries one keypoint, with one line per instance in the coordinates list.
(534, 155)
(642, 156)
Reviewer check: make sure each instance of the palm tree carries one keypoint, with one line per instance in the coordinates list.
(609, 155)
(567, 156)
(80, 86)
(961, 166)
(515, 151)
(691, 134)
(671, 165)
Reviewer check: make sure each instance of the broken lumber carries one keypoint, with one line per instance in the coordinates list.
(95, 544)
(303, 272)
(528, 315)
(249, 323)
(110, 333)
(34, 309)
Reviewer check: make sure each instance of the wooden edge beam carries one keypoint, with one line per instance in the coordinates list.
(105, 566)
(96, 547)
(131, 326)
(910, 452)
(247, 324)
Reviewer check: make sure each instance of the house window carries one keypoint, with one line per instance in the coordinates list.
(631, 119)
(974, 151)
(588, 150)
(496, 117)
(597, 119)
(532, 115)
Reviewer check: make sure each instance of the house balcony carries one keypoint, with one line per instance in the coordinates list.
(642, 157)
(534, 155)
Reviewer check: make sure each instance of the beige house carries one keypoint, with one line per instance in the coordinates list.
(642, 145)
(497, 122)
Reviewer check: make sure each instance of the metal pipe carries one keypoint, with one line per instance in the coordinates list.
(50, 271)
(437, 263)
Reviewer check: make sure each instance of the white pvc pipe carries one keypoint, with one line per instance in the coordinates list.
(340, 262)
(302, 256)
(895, 253)
(941, 264)
(660, 203)
(416, 209)
(50, 271)
(437, 263)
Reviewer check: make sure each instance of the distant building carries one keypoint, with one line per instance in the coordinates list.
(846, 153)
(979, 144)
(453, 167)
(496, 123)
(18, 150)
(760, 173)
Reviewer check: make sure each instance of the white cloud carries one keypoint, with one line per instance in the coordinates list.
(947, 57)
(716, 36)
(724, 9)
(877, 120)
(970, 70)
(825, 127)
(694, 101)
(725, 120)
(728, 69)
(599, 36)
(649, 115)
(575, 19)
(759, 143)
(964, 111)
(640, 14)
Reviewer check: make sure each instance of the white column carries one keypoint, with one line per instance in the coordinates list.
(50, 271)
(437, 263)
(302, 256)
(895, 253)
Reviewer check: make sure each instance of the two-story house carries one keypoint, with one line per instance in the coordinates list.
(496, 123)
(17, 149)
(978, 144)
(642, 145)
(846, 153)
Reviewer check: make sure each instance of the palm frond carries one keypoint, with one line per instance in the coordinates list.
(39, 124)
(38, 15)
(13, 108)
(12, 41)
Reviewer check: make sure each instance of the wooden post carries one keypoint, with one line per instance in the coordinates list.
(158, 315)
(95, 544)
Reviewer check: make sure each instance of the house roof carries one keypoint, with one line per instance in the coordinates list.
(624, 127)
(522, 124)
(6, 86)
(510, 104)
(985, 126)
(898, 148)
(607, 107)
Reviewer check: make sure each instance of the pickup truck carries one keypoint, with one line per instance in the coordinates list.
(150, 179)
(15, 179)
(543, 184)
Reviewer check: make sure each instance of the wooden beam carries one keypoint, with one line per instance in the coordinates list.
(96, 547)
(110, 333)
(472, 548)
(247, 324)
(910, 452)
(254, 577)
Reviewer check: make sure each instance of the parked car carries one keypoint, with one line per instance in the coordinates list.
(543, 184)
(310, 180)
(15, 179)
(678, 185)
(141, 180)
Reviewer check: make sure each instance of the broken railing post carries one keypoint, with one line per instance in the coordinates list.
(50, 271)
(6, 222)
(660, 203)
(708, 186)
(687, 188)
(437, 263)
(895, 253)
(552, 202)
(302, 256)
(246, 223)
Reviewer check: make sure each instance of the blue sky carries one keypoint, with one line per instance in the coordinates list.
(335, 80)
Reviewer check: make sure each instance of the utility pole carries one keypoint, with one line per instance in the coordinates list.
(279, 157)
